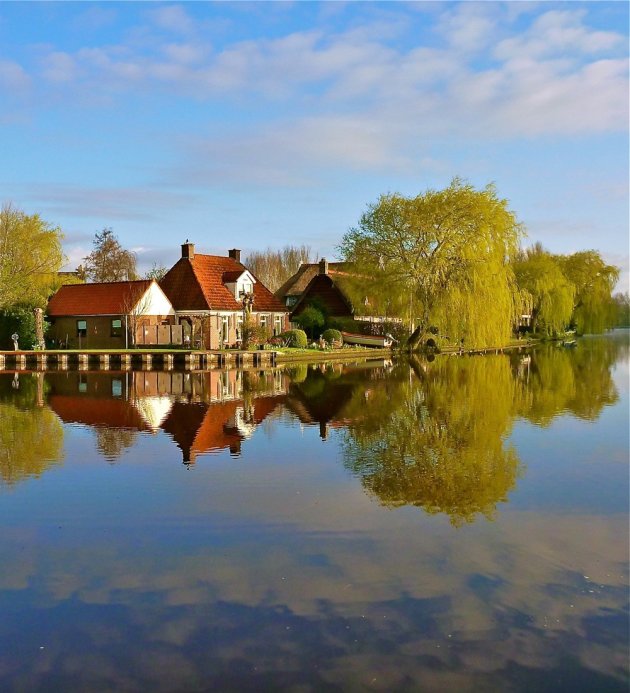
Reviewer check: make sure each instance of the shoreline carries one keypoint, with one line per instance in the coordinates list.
(203, 360)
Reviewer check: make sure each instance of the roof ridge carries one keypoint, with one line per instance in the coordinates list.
(121, 281)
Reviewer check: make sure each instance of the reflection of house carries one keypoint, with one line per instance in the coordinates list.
(95, 316)
(201, 428)
(207, 292)
(201, 412)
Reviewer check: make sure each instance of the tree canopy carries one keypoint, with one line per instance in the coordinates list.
(594, 309)
(274, 267)
(156, 272)
(30, 258)
(540, 275)
(108, 261)
(443, 259)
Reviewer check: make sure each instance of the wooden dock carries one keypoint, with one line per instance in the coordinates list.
(139, 360)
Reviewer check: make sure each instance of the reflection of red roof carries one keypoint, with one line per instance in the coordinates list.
(97, 411)
(198, 284)
(199, 428)
(110, 298)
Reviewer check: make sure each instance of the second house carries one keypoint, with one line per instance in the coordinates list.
(207, 294)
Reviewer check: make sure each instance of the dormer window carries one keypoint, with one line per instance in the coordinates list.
(239, 283)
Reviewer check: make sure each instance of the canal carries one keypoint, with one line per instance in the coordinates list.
(455, 524)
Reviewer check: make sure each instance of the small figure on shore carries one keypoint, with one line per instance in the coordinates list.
(15, 336)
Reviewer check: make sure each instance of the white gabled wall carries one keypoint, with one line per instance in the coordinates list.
(154, 302)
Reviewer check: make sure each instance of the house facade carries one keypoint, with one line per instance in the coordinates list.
(112, 315)
(210, 294)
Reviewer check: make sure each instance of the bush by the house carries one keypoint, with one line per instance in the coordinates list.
(295, 338)
(312, 320)
(332, 336)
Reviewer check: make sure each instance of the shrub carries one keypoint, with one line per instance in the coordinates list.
(311, 319)
(295, 338)
(332, 336)
(18, 319)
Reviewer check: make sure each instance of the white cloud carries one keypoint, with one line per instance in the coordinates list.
(101, 203)
(172, 18)
(557, 32)
(541, 81)
(470, 27)
(13, 75)
(60, 67)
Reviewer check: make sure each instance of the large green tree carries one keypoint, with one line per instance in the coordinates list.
(442, 259)
(594, 309)
(108, 261)
(30, 258)
(540, 274)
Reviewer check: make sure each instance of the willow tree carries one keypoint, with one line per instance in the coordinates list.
(30, 258)
(444, 255)
(594, 309)
(540, 274)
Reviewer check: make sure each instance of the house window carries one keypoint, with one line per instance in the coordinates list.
(291, 301)
(239, 328)
(278, 324)
(116, 328)
(263, 320)
(225, 329)
(81, 328)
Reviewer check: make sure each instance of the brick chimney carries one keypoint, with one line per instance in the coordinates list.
(188, 250)
(323, 266)
(235, 254)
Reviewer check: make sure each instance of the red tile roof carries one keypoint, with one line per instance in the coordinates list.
(111, 298)
(198, 284)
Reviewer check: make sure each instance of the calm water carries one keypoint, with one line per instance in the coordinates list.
(453, 525)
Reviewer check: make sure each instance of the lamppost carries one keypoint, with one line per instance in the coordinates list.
(247, 302)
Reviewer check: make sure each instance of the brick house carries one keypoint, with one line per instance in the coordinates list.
(207, 293)
(110, 315)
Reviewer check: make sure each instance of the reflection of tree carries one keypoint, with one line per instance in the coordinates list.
(576, 380)
(30, 442)
(112, 442)
(438, 443)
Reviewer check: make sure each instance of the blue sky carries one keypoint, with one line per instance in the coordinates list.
(259, 124)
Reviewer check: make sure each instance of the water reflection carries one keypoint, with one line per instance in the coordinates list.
(280, 572)
(432, 434)
(31, 436)
(201, 412)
